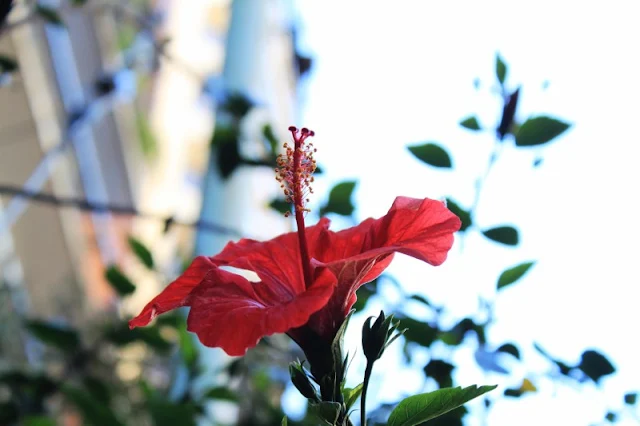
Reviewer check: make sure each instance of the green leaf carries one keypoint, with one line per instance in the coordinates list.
(7, 64)
(501, 69)
(440, 371)
(631, 398)
(418, 332)
(93, 411)
(237, 104)
(417, 409)
(169, 413)
(340, 199)
(539, 130)
(98, 388)
(121, 335)
(38, 421)
(221, 393)
(595, 365)
(421, 299)
(148, 141)
(512, 275)
(464, 215)
(62, 337)
(509, 348)
(280, 205)
(351, 395)
(563, 367)
(432, 154)
(471, 123)
(284, 421)
(507, 235)
(272, 140)
(119, 281)
(226, 141)
(50, 15)
(141, 252)
(328, 412)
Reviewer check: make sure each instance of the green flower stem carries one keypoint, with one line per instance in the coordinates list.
(363, 397)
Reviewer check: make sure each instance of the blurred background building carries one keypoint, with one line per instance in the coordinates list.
(116, 105)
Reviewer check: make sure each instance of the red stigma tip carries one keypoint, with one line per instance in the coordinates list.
(293, 129)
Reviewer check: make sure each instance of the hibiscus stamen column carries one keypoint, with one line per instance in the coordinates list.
(294, 172)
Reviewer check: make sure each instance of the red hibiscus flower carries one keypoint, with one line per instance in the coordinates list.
(308, 278)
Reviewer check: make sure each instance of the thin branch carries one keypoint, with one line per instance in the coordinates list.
(85, 205)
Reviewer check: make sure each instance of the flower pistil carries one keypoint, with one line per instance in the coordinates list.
(294, 172)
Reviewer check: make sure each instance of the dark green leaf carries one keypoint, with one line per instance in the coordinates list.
(7, 64)
(9, 413)
(512, 275)
(119, 281)
(122, 335)
(238, 105)
(169, 413)
(595, 365)
(340, 199)
(421, 408)
(464, 215)
(141, 252)
(507, 123)
(456, 335)
(225, 140)
(64, 338)
(630, 398)
(37, 421)
(432, 154)
(327, 411)
(98, 388)
(513, 392)
(563, 367)
(418, 332)
(280, 205)
(272, 140)
(221, 393)
(440, 371)
(187, 347)
(509, 348)
(93, 411)
(501, 69)
(507, 235)
(539, 130)
(470, 123)
(50, 15)
(421, 299)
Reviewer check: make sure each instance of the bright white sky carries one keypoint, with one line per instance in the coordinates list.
(387, 75)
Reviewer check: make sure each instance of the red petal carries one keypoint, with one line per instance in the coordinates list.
(229, 312)
(175, 294)
(275, 261)
(419, 228)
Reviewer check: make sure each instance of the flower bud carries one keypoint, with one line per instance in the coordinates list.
(376, 337)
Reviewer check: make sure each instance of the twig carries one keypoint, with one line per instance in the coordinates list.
(116, 209)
